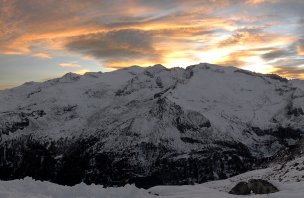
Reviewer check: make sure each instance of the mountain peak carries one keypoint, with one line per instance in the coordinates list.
(148, 124)
(156, 68)
(71, 76)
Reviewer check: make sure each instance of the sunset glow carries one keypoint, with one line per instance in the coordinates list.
(44, 39)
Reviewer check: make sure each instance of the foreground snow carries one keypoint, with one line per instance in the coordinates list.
(286, 178)
(29, 188)
(294, 190)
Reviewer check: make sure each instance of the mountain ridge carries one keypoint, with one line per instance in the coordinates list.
(147, 126)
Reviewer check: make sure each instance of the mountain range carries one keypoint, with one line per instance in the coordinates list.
(150, 126)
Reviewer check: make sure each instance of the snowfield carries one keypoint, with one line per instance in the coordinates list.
(29, 188)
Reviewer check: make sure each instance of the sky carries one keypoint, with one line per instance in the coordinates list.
(40, 40)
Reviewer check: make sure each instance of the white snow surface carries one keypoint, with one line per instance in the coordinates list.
(232, 100)
(28, 188)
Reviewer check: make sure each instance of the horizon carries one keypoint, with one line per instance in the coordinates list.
(45, 40)
(82, 74)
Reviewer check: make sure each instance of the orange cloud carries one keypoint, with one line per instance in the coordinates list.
(42, 55)
(59, 21)
(69, 65)
(237, 58)
(121, 33)
(81, 71)
(300, 48)
(291, 72)
(6, 86)
(256, 2)
(256, 38)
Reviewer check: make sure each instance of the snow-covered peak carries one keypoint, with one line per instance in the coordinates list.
(225, 95)
(156, 68)
(93, 74)
(143, 120)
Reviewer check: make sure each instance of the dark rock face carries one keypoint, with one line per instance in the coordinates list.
(86, 159)
(12, 122)
(281, 134)
(256, 186)
(259, 186)
(70, 162)
(295, 112)
(216, 162)
(241, 188)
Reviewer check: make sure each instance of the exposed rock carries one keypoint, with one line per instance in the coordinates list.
(259, 186)
(241, 188)
(256, 186)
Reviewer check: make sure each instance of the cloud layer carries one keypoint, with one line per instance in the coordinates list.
(263, 36)
(121, 45)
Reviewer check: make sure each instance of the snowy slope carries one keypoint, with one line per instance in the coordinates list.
(147, 125)
(29, 188)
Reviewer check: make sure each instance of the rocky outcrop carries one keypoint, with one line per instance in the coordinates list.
(241, 188)
(70, 162)
(256, 186)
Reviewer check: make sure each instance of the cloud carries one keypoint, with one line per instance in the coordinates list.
(81, 71)
(237, 58)
(300, 47)
(290, 72)
(289, 63)
(120, 33)
(288, 57)
(278, 53)
(22, 23)
(7, 86)
(42, 55)
(121, 45)
(256, 2)
(69, 65)
(255, 37)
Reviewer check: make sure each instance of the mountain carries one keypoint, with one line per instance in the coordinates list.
(149, 126)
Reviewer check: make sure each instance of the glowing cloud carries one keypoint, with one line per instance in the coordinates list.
(300, 48)
(42, 55)
(258, 35)
(81, 71)
(69, 65)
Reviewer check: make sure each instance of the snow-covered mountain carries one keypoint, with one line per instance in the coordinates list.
(148, 126)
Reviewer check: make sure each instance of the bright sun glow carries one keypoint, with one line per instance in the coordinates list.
(42, 41)
(256, 64)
